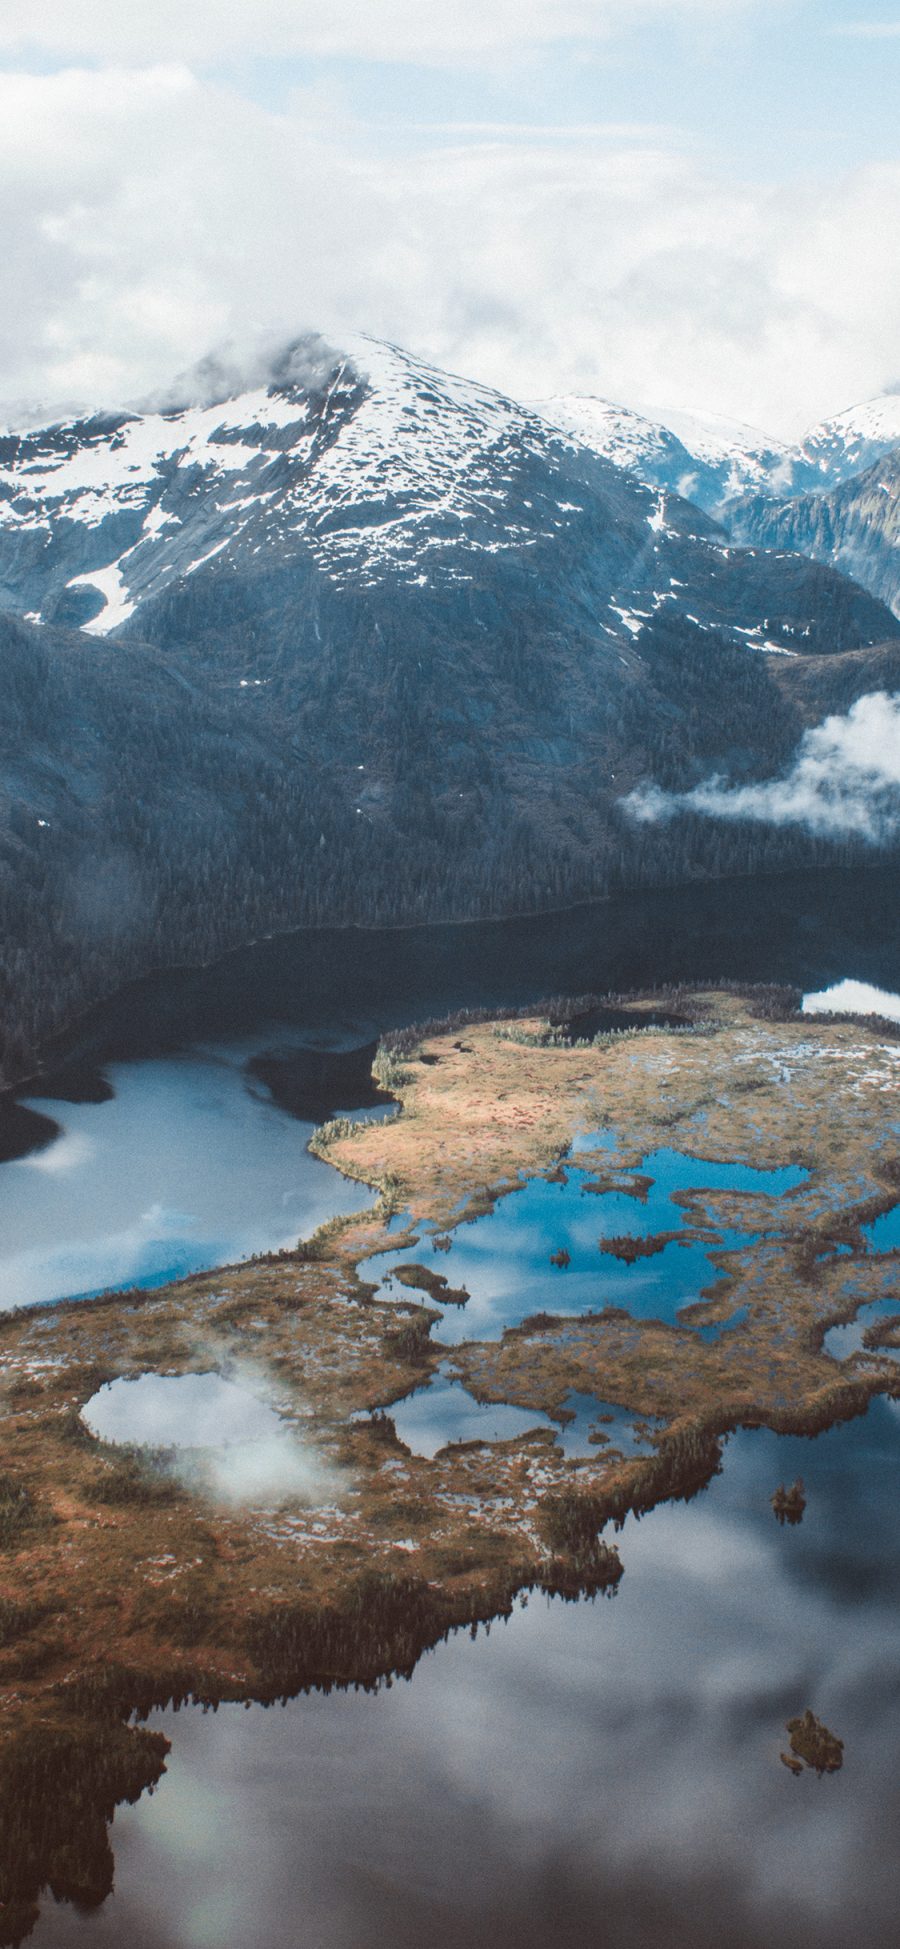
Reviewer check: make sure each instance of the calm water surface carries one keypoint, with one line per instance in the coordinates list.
(603, 1774)
(191, 1165)
(503, 1259)
(188, 1165)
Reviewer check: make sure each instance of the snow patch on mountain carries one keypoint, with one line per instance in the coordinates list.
(855, 439)
(368, 468)
(742, 454)
(117, 605)
(715, 461)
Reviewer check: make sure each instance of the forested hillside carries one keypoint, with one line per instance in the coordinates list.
(369, 645)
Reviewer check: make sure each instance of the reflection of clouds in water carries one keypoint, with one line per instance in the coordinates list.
(183, 1410)
(160, 1221)
(853, 998)
(103, 1205)
(605, 1774)
(249, 1455)
(159, 1242)
(444, 1411)
(66, 1153)
(503, 1258)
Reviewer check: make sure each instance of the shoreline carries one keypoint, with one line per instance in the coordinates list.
(125, 1581)
(61, 1037)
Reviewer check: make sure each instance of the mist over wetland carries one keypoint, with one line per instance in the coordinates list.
(449, 975)
(606, 1767)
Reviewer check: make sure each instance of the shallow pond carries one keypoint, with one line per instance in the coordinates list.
(600, 1773)
(179, 1411)
(841, 1341)
(503, 1259)
(224, 1437)
(883, 1235)
(443, 1411)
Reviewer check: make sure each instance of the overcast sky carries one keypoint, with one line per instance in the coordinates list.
(668, 202)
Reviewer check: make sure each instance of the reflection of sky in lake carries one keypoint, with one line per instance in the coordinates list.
(251, 1455)
(185, 1168)
(444, 1411)
(604, 1774)
(503, 1259)
(883, 1235)
(179, 1410)
(840, 1341)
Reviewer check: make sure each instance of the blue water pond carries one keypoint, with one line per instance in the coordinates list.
(503, 1258)
(443, 1411)
(883, 1235)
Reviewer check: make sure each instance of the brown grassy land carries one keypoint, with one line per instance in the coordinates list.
(123, 1584)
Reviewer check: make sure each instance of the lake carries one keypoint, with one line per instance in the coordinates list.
(190, 1163)
(602, 1773)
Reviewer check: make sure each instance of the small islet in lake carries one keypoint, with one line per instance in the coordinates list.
(648, 1246)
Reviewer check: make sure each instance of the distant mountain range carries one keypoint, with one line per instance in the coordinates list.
(363, 641)
(715, 461)
(856, 526)
(370, 468)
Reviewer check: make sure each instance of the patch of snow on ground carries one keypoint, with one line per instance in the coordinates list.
(119, 605)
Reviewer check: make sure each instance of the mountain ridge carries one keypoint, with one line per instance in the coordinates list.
(855, 527)
(369, 644)
(716, 462)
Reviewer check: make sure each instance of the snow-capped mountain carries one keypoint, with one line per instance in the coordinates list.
(367, 470)
(366, 462)
(351, 639)
(739, 457)
(715, 461)
(704, 459)
(852, 441)
(855, 527)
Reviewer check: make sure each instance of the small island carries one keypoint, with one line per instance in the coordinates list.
(788, 1505)
(813, 1746)
(127, 1580)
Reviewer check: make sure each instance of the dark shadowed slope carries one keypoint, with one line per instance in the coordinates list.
(366, 644)
(855, 528)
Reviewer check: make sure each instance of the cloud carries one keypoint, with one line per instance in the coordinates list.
(149, 214)
(212, 32)
(225, 1434)
(845, 781)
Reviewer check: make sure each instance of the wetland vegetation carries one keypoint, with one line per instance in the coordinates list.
(129, 1583)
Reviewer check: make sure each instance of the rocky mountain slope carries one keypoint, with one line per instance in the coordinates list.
(856, 527)
(355, 472)
(365, 642)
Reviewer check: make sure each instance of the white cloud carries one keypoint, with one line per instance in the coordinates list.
(426, 31)
(845, 781)
(149, 214)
